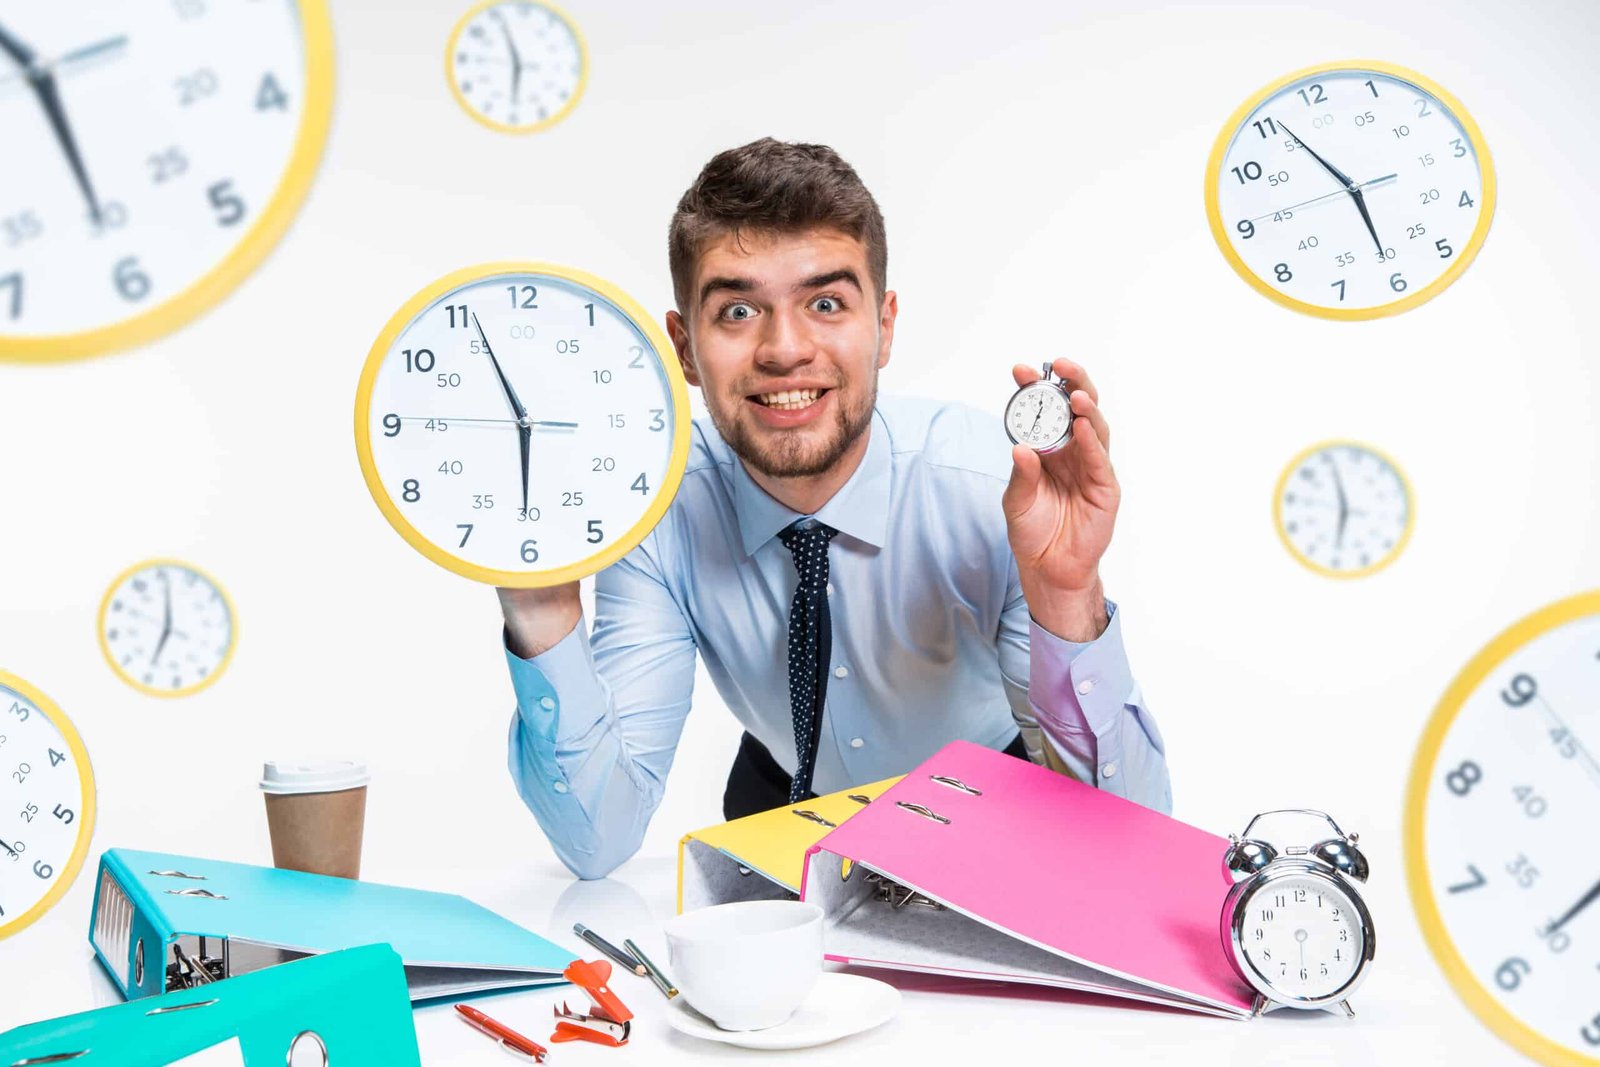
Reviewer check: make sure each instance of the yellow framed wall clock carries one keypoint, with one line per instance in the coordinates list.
(47, 817)
(167, 628)
(1343, 509)
(517, 66)
(1500, 801)
(522, 424)
(1350, 190)
(156, 150)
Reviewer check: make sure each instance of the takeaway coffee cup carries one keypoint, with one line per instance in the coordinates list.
(315, 813)
(747, 965)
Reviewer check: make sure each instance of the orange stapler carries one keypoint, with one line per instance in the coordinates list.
(607, 1021)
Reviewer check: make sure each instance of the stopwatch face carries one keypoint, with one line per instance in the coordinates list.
(517, 65)
(47, 788)
(1039, 416)
(167, 628)
(522, 426)
(1350, 191)
(155, 151)
(1301, 938)
(1501, 804)
(1343, 509)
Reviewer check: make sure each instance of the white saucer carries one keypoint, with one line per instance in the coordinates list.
(838, 1006)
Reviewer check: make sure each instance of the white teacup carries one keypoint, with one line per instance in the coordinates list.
(747, 965)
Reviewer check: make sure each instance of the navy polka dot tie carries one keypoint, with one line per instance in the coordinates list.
(810, 645)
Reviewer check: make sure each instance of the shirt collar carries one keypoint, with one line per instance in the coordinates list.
(860, 508)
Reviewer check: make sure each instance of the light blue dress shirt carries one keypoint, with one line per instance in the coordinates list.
(932, 641)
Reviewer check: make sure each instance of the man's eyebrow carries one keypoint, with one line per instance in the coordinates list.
(735, 285)
(844, 274)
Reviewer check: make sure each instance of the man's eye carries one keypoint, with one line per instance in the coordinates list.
(738, 312)
(827, 304)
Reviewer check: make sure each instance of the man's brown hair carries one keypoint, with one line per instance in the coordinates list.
(773, 187)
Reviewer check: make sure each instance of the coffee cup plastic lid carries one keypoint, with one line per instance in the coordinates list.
(312, 776)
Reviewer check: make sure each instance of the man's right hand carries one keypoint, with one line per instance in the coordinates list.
(539, 619)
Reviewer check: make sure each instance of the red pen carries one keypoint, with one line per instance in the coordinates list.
(502, 1033)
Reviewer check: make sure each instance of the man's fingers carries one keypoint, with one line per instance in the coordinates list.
(1024, 375)
(1075, 377)
(1085, 408)
(1025, 474)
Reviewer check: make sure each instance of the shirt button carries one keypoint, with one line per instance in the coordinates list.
(547, 704)
(830, 588)
(856, 742)
(560, 787)
(841, 672)
(1086, 686)
(1108, 770)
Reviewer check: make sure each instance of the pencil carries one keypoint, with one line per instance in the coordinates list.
(668, 990)
(610, 950)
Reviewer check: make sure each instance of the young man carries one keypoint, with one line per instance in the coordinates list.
(859, 573)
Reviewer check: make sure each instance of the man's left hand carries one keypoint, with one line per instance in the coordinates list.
(1060, 509)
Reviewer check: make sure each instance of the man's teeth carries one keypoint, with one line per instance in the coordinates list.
(790, 400)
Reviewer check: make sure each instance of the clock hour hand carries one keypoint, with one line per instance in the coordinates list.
(166, 620)
(1344, 505)
(516, 62)
(524, 424)
(1366, 217)
(1349, 186)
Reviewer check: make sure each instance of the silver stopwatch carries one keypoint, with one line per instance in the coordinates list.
(1039, 414)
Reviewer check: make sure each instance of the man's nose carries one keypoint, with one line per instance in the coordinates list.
(786, 341)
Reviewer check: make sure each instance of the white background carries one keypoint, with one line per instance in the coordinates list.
(1040, 169)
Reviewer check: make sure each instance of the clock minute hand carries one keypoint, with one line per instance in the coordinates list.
(166, 621)
(516, 62)
(1587, 899)
(1349, 186)
(43, 82)
(524, 424)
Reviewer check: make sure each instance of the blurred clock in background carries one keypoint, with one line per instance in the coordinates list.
(516, 66)
(1343, 509)
(155, 150)
(167, 628)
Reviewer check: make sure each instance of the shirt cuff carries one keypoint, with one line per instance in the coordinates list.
(554, 687)
(1079, 683)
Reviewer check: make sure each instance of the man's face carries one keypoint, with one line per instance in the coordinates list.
(784, 336)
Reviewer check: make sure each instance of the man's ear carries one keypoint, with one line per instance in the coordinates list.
(886, 317)
(678, 330)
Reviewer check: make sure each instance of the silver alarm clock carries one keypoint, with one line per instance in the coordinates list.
(1039, 414)
(1294, 925)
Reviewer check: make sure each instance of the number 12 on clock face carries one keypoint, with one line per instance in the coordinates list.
(522, 424)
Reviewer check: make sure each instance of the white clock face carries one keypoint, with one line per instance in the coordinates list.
(1039, 416)
(1351, 190)
(45, 818)
(1509, 799)
(1302, 936)
(1343, 509)
(517, 65)
(521, 424)
(144, 140)
(167, 628)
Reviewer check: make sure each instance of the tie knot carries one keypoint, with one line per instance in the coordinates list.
(808, 540)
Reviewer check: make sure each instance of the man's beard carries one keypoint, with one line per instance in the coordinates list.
(790, 457)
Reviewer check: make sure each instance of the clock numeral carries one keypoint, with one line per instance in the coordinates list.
(1308, 244)
(1461, 780)
(482, 501)
(21, 712)
(563, 347)
(1266, 915)
(421, 361)
(1401, 130)
(1398, 283)
(466, 319)
(1266, 127)
(590, 309)
(57, 758)
(1565, 743)
(449, 381)
(572, 500)
(1466, 201)
(29, 811)
(1477, 880)
(637, 362)
(1247, 228)
(167, 165)
(602, 463)
(529, 294)
(271, 95)
(132, 283)
(1282, 271)
(1423, 110)
(1533, 805)
(21, 227)
(64, 814)
(1443, 245)
(195, 87)
(1460, 149)
(1591, 1033)
(411, 491)
(13, 281)
(528, 514)
(616, 422)
(113, 216)
(226, 203)
(657, 420)
(1524, 872)
(1340, 286)
(436, 426)
(530, 551)
(43, 869)
(1429, 196)
(1426, 159)
(1555, 940)
(640, 486)
(189, 9)
(595, 535)
(1313, 94)
(466, 528)
(22, 772)
(1250, 172)
(1374, 88)
(391, 425)
(602, 377)
(1366, 118)
(1508, 975)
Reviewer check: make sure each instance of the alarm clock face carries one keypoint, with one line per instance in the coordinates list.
(155, 150)
(522, 424)
(1343, 509)
(1301, 937)
(48, 794)
(1501, 800)
(1039, 416)
(167, 628)
(1350, 191)
(516, 65)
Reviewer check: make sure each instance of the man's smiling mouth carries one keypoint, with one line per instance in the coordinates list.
(789, 399)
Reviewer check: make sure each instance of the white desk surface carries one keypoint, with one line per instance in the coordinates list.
(1406, 1014)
